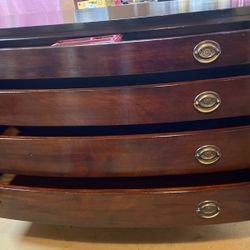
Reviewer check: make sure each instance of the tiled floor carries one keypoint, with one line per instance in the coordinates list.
(17, 235)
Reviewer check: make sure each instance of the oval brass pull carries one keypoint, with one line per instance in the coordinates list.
(207, 102)
(208, 209)
(208, 154)
(206, 51)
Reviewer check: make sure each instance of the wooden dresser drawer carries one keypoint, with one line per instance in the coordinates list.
(145, 104)
(122, 203)
(186, 152)
(128, 57)
(138, 122)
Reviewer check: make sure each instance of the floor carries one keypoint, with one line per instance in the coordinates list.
(19, 235)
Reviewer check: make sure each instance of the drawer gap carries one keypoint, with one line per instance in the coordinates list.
(189, 180)
(134, 80)
(122, 129)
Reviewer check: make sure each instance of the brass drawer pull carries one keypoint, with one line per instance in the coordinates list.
(207, 101)
(208, 209)
(208, 154)
(206, 51)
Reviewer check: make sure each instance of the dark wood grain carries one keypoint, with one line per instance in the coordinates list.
(126, 58)
(154, 179)
(132, 155)
(124, 207)
(146, 104)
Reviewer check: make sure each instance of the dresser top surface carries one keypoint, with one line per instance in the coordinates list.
(23, 13)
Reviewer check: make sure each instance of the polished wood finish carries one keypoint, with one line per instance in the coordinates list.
(145, 207)
(145, 104)
(125, 58)
(214, 18)
(108, 135)
(132, 155)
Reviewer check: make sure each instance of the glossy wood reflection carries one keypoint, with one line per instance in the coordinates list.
(134, 155)
(135, 133)
(147, 104)
(126, 58)
(215, 17)
(124, 208)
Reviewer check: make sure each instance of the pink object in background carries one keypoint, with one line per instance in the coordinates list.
(240, 3)
(89, 40)
(16, 13)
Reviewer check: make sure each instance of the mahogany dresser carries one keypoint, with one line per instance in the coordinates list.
(149, 131)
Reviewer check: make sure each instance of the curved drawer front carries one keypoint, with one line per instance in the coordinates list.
(136, 155)
(127, 58)
(147, 104)
(127, 207)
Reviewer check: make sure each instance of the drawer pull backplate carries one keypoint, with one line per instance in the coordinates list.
(207, 102)
(208, 209)
(208, 154)
(206, 51)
